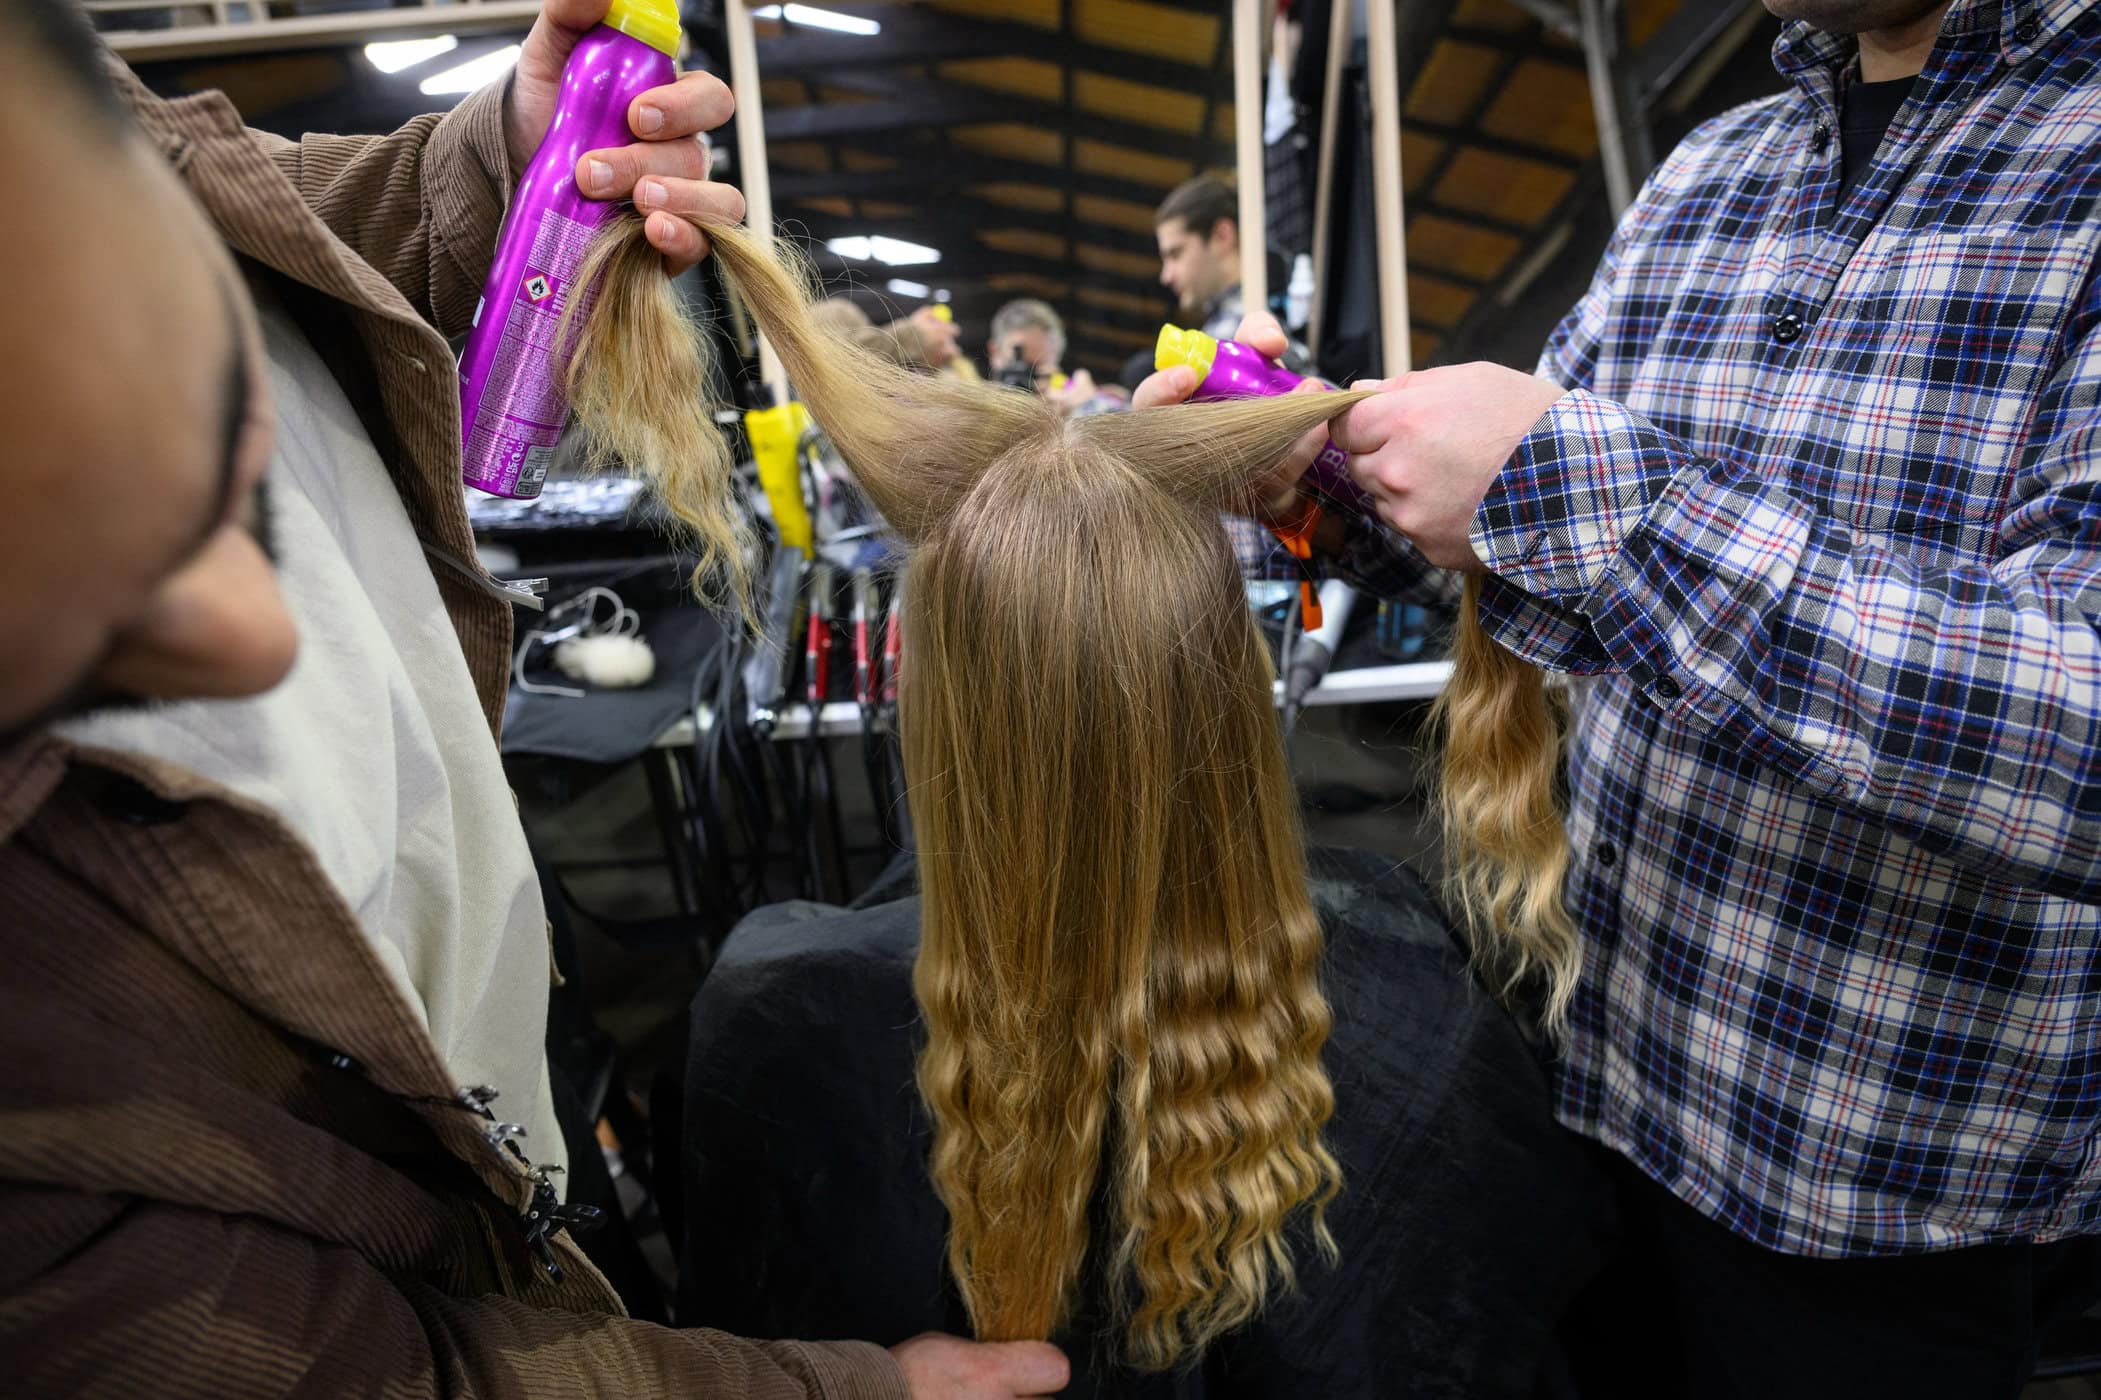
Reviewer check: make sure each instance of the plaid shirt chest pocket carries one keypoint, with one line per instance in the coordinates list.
(1944, 301)
(1929, 361)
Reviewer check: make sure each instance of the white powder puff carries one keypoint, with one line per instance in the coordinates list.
(614, 663)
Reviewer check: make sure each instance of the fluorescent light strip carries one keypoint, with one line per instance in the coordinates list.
(894, 252)
(908, 289)
(819, 19)
(474, 73)
(393, 55)
(898, 253)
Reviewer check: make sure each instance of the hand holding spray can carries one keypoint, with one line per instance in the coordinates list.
(1226, 369)
(513, 394)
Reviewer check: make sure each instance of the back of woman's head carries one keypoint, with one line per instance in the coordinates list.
(1118, 966)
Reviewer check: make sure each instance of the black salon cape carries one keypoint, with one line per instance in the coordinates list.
(1467, 1221)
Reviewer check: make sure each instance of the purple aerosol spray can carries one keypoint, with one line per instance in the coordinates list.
(513, 400)
(1226, 369)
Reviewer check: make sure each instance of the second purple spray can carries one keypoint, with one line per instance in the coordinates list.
(1226, 369)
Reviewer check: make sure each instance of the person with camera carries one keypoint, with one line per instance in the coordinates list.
(1026, 350)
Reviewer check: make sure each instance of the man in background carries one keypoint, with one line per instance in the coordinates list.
(272, 944)
(1027, 350)
(1199, 232)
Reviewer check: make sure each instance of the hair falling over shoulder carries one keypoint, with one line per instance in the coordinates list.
(1118, 969)
(1506, 850)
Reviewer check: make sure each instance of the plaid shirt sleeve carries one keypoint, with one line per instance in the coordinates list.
(1537, 626)
(1959, 704)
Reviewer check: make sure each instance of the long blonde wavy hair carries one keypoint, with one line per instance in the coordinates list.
(1506, 852)
(1118, 961)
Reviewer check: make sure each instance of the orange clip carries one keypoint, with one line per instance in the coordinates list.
(1296, 535)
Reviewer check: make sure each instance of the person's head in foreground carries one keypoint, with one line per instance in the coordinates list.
(132, 559)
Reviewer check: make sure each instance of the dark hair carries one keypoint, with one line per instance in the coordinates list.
(57, 30)
(1201, 204)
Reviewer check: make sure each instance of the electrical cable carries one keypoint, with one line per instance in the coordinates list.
(816, 579)
(702, 797)
(732, 754)
(840, 886)
(874, 749)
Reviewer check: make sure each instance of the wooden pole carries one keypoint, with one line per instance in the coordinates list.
(752, 176)
(1623, 133)
(1383, 39)
(1342, 15)
(1247, 130)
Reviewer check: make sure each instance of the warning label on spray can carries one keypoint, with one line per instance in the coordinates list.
(523, 401)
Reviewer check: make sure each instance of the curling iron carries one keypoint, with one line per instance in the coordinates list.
(1315, 651)
(864, 610)
(817, 648)
(766, 674)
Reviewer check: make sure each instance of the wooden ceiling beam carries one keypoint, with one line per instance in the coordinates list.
(1471, 136)
(914, 34)
(957, 260)
(976, 213)
(939, 105)
(923, 173)
(1522, 43)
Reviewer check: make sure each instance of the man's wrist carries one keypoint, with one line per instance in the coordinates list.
(1579, 482)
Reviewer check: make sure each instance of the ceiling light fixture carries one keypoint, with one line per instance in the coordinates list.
(894, 252)
(819, 19)
(474, 73)
(393, 55)
(898, 253)
(908, 289)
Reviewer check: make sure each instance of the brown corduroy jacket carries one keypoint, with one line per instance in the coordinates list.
(231, 1160)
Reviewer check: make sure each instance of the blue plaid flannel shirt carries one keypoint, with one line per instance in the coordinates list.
(1820, 526)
